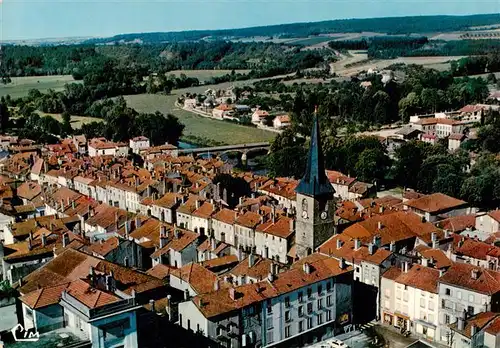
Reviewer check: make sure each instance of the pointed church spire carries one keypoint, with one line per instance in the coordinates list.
(315, 182)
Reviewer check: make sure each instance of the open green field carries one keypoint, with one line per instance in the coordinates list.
(198, 126)
(76, 121)
(203, 75)
(20, 86)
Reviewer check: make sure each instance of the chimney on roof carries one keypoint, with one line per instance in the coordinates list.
(433, 236)
(92, 276)
(376, 241)
(441, 272)
(73, 204)
(371, 248)
(197, 204)
(447, 234)
(461, 321)
(342, 264)
(392, 247)
(250, 260)
(379, 225)
(381, 209)
(213, 243)
(62, 204)
(473, 329)
(474, 274)
(425, 262)
(176, 232)
(406, 266)
(137, 222)
(216, 285)
(65, 240)
(232, 294)
(306, 268)
(357, 244)
(68, 200)
(152, 305)
(240, 254)
(339, 243)
(240, 201)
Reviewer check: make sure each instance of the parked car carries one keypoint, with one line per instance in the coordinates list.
(337, 344)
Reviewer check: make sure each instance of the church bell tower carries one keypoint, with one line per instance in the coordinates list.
(315, 201)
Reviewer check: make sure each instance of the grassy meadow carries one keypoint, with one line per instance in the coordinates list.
(20, 86)
(198, 126)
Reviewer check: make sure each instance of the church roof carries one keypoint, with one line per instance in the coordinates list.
(315, 182)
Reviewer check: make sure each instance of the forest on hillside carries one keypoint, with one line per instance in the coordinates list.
(389, 25)
(266, 59)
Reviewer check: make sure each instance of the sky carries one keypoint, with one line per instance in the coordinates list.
(32, 19)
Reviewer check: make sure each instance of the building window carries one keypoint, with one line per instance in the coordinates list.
(471, 298)
(446, 319)
(447, 291)
(328, 315)
(301, 311)
(328, 286)
(320, 289)
(470, 310)
(269, 323)
(309, 308)
(287, 302)
(301, 296)
(309, 292)
(301, 326)
(422, 302)
(287, 316)
(269, 337)
(329, 300)
(269, 307)
(320, 303)
(309, 323)
(459, 294)
(431, 305)
(287, 331)
(320, 318)
(115, 330)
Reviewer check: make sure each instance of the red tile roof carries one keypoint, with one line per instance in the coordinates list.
(44, 297)
(435, 203)
(420, 277)
(460, 274)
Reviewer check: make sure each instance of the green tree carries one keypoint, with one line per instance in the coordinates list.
(287, 162)
(66, 123)
(372, 165)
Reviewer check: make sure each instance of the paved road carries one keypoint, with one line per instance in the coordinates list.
(354, 339)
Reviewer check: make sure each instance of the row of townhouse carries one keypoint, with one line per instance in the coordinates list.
(426, 300)
(309, 302)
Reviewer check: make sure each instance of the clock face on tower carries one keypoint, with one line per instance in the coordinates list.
(324, 215)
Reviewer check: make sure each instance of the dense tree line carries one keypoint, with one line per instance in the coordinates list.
(395, 25)
(389, 47)
(265, 59)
